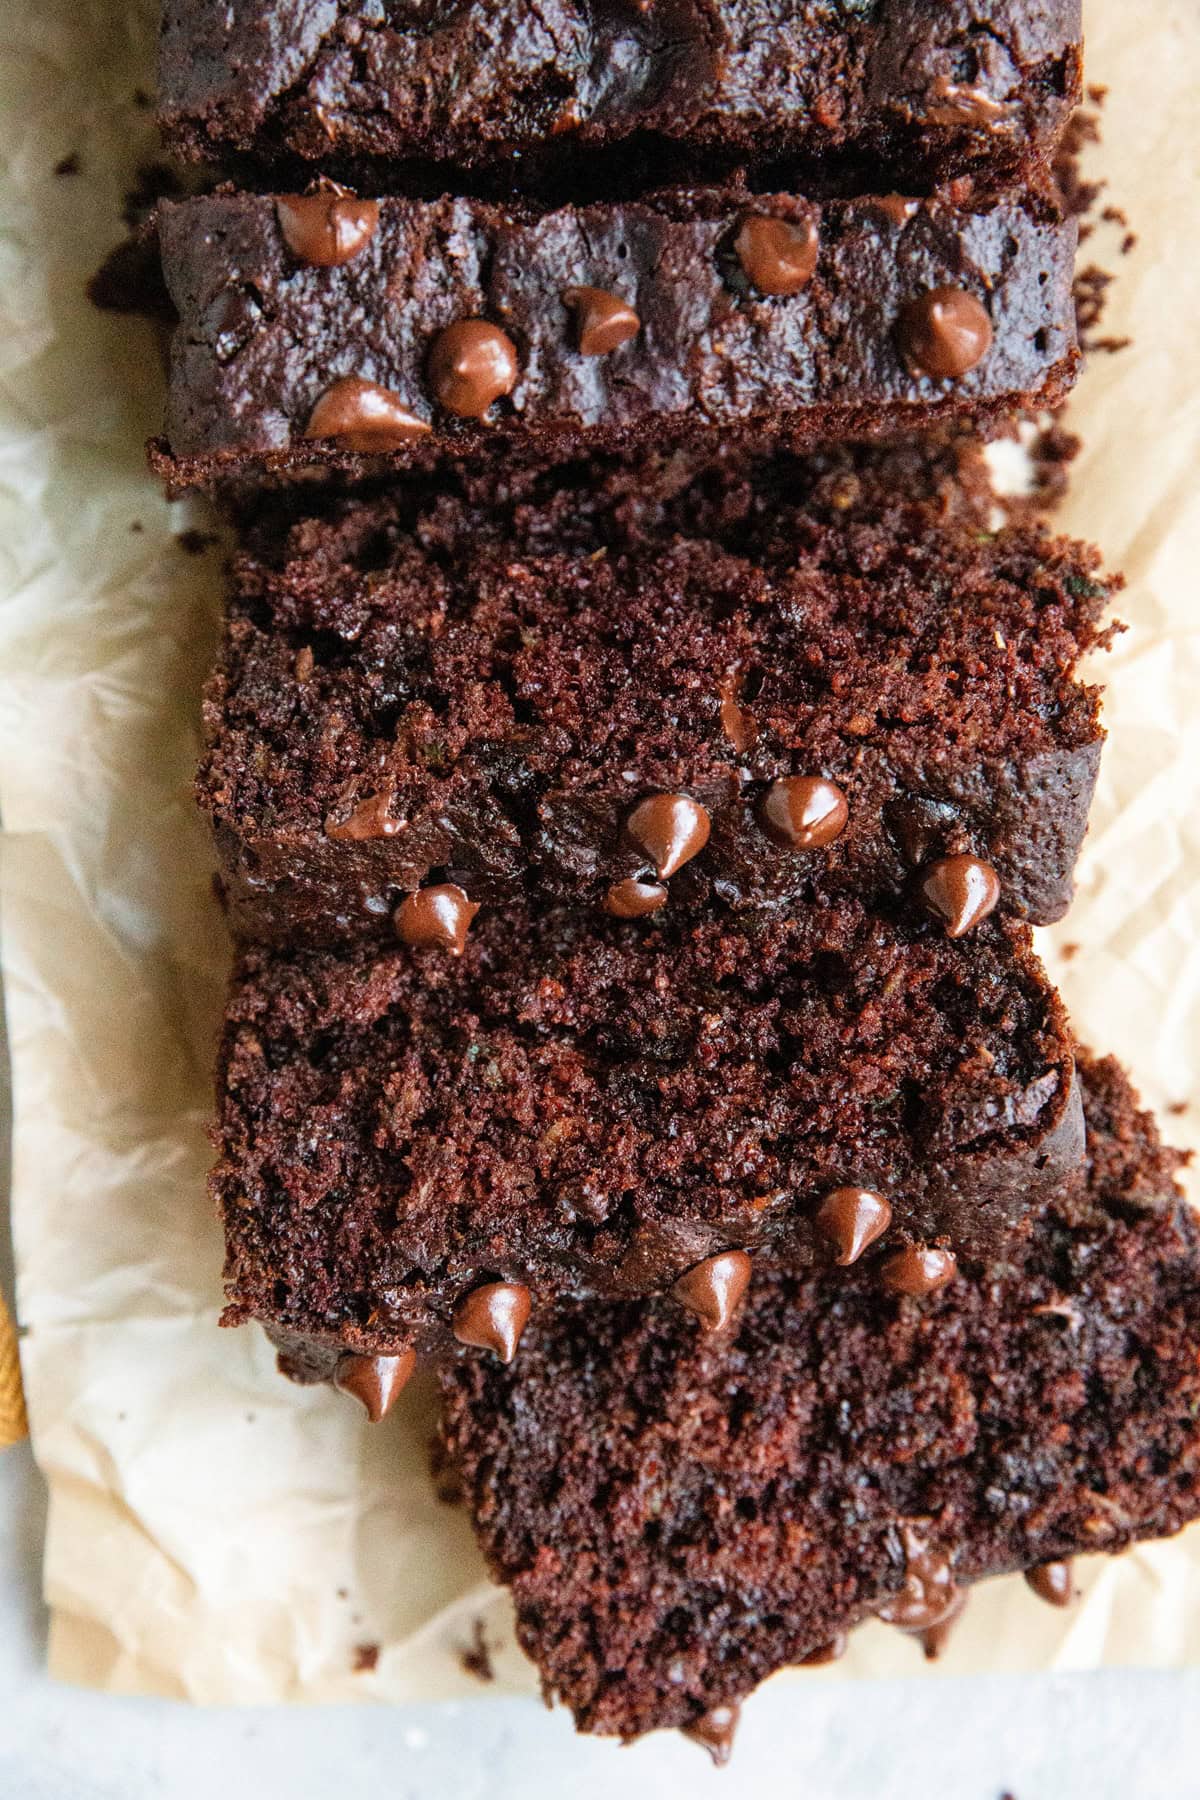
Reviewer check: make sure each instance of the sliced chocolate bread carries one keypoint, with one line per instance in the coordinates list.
(808, 675)
(325, 330)
(579, 93)
(574, 1103)
(679, 1515)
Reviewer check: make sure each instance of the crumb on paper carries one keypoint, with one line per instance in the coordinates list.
(1177, 1108)
(476, 1659)
(366, 1658)
(194, 542)
(1070, 952)
(68, 165)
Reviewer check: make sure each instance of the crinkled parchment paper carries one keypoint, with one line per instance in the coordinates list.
(214, 1532)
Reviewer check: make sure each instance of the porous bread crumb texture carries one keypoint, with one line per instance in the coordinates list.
(512, 671)
(576, 1103)
(677, 1518)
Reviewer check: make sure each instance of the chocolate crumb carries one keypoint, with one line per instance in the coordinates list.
(476, 1659)
(68, 165)
(195, 543)
(366, 1658)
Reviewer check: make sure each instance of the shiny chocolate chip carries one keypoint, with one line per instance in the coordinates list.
(436, 918)
(363, 417)
(603, 321)
(944, 333)
(374, 1381)
(960, 891)
(472, 364)
(493, 1317)
(715, 1288)
(804, 812)
(326, 229)
(670, 829)
(778, 256)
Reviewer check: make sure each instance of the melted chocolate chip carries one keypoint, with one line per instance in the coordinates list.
(960, 891)
(778, 256)
(929, 1594)
(326, 229)
(919, 825)
(953, 103)
(368, 820)
(715, 1730)
(603, 321)
(944, 333)
(919, 1270)
(374, 1381)
(436, 918)
(715, 1288)
(851, 1218)
(634, 899)
(493, 1317)
(472, 364)
(739, 726)
(364, 417)
(804, 812)
(670, 828)
(1051, 1582)
(934, 1638)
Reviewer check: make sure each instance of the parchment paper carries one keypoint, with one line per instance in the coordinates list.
(215, 1533)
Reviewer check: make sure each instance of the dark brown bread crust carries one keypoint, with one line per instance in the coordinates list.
(572, 89)
(580, 1104)
(262, 337)
(679, 1517)
(511, 678)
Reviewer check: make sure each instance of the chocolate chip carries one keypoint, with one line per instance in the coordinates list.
(715, 1730)
(368, 820)
(919, 1270)
(326, 229)
(929, 1594)
(634, 899)
(374, 1381)
(960, 891)
(670, 828)
(944, 333)
(833, 1651)
(493, 1317)
(715, 1288)
(851, 1218)
(603, 321)
(471, 364)
(805, 812)
(919, 825)
(779, 256)
(935, 1637)
(1051, 1582)
(364, 417)
(436, 918)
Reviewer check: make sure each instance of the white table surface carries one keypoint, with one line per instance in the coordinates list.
(1113, 1736)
